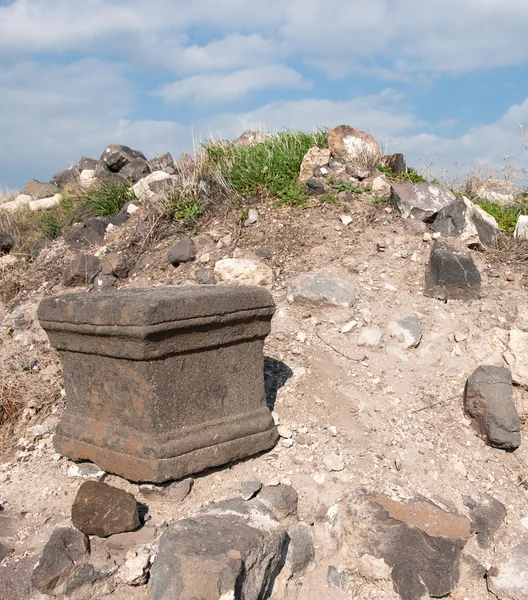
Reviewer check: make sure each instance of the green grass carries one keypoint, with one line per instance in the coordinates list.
(184, 208)
(106, 197)
(267, 168)
(411, 175)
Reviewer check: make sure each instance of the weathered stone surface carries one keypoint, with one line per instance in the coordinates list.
(43, 203)
(517, 356)
(509, 580)
(7, 243)
(249, 489)
(451, 275)
(489, 402)
(249, 138)
(380, 186)
(8, 290)
(242, 271)
(370, 336)
(315, 186)
(501, 191)
(420, 542)
(408, 331)
(420, 200)
(136, 169)
(230, 550)
(354, 145)
(66, 177)
(21, 201)
(357, 170)
(116, 156)
(131, 539)
(465, 220)
(281, 499)
(81, 270)
(395, 162)
(81, 237)
(101, 509)
(301, 549)
(135, 570)
(87, 178)
(103, 283)
(315, 157)
(163, 162)
(319, 288)
(87, 164)
(337, 577)
(8, 530)
(115, 264)
(152, 184)
(181, 252)
(37, 189)
(136, 423)
(180, 490)
(521, 228)
(66, 551)
(205, 276)
(486, 518)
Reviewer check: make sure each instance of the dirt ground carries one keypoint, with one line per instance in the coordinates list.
(397, 413)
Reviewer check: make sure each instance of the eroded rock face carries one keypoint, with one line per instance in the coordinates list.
(82, 270)
(230, 550)
(420, 200)
(451, 275)
(315, 157)
(489, 402)
(509, 580)
(419, 541)
(37, 189)
(319, 288)
(67, 177)
(354, 145)
(117, 156)
(242, 271)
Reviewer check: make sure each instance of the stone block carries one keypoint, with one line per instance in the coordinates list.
(165, 382)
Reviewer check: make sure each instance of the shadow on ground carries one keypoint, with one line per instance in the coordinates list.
(276, 374)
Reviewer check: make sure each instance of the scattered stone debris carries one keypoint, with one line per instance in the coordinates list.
(509, 580)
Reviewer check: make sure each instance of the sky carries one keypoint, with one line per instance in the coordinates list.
(443, 81)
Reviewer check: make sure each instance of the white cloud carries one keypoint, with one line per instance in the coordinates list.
(214, 89)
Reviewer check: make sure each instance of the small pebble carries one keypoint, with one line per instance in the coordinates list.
(427, 237)
(492, 273)
(284, 432)
(334, 462)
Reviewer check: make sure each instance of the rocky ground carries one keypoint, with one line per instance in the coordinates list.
(367, 417)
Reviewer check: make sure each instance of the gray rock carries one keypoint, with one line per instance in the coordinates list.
(281, 499)
(81, 271)
(492, 273)
(82, 237)
(264, 252)
(353, 145)
(67, 177)
(116, 156)
(451, 275)
(489, 402)
(7, 243)
(509, 581)
(229, 550)
(357, 170)
(249, 489)
(301, 549)
(115, 264)
(408, 331)
(314, 186)
(163, 162)
(136, 169)
(465, 220)
(102, 283)
(86, 471)
(66, 551)
(8, 530)
(181, 489)
(102, 510)
(38, 190)
(131, 539)
(420, 200)
(181, 252)
(322, 289)
(486, 518)
(205, 276)
(87, 164)
(337, 577)
(395, 162)
(252, 217)
(420, 542)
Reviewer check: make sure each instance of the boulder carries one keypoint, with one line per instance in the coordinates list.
(19, 202)
(66, 177)
(81, 270)
(181, 252)
(115, 263)
(395, 162)
(66, 551)
(229, 550)
(103, 510)
(163, 162)
(37, 189)
(87, 178)
(136, 169)
(420, 200)
(419, 541)
(242, 271)
(322, 289)
(155, 183)
(87, 164)
(90, 233)
(521, 228)
(509, 580)
(281, 499)
(354, 145)
(465, 220)
(489, 403)
(117, 156)
(451, 275)
(315, 157)
(301, 549)
(7, 243)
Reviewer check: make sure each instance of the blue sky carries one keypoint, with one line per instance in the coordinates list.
(443, 81)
